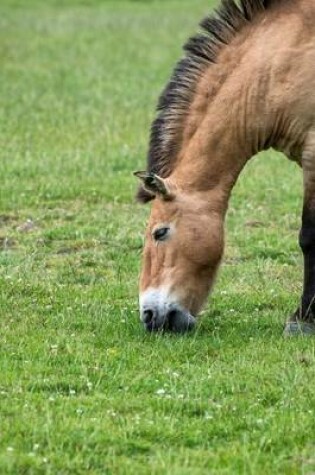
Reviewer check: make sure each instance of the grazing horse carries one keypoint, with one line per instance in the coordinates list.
(246, 83)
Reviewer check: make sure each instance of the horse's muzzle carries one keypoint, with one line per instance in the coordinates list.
(175, 320)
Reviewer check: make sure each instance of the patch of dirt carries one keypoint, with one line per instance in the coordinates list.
(7, 243)
(235, 260)
(6, 219)
(254, 224)
(27, 226)
(66, 250)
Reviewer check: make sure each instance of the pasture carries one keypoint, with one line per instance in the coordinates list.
(83, 389)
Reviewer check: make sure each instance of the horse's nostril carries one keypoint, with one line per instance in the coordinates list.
(147, 316)
(171, 318)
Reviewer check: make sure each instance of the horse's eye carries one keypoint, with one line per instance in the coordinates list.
(160, 234)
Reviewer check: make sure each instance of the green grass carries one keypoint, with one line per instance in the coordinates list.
(83, 389)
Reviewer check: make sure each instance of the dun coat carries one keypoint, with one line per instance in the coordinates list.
(246, 83)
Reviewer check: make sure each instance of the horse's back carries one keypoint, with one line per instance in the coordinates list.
(288, 42)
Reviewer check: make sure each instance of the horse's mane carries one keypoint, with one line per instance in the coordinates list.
(201, 50)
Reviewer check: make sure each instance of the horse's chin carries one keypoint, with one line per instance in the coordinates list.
(185, 322)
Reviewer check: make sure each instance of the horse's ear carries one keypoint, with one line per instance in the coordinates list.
(154, 184)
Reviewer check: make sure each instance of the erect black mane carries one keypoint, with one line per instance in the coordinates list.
(201, 51)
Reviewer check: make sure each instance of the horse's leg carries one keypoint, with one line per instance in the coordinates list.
(303, 320)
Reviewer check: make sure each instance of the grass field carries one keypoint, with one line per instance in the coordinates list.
(83, 390)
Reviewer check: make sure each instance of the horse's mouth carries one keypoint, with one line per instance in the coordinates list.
(176, 321)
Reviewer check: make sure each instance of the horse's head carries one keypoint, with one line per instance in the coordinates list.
(183, 248)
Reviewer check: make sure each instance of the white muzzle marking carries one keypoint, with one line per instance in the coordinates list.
(160, 309)
(158, 299)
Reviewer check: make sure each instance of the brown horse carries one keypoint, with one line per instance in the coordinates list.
(247, 83)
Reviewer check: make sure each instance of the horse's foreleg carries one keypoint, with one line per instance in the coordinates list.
(303, 320)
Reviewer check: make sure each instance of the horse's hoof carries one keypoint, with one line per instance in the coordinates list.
(299, 328)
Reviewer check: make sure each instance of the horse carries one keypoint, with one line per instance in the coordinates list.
(246, 83)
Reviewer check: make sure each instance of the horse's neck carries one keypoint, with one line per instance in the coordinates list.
(212, 157)
(242, 105)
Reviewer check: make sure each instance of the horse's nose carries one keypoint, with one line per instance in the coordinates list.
(175, 320)
(148, 316)
(151, 319)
